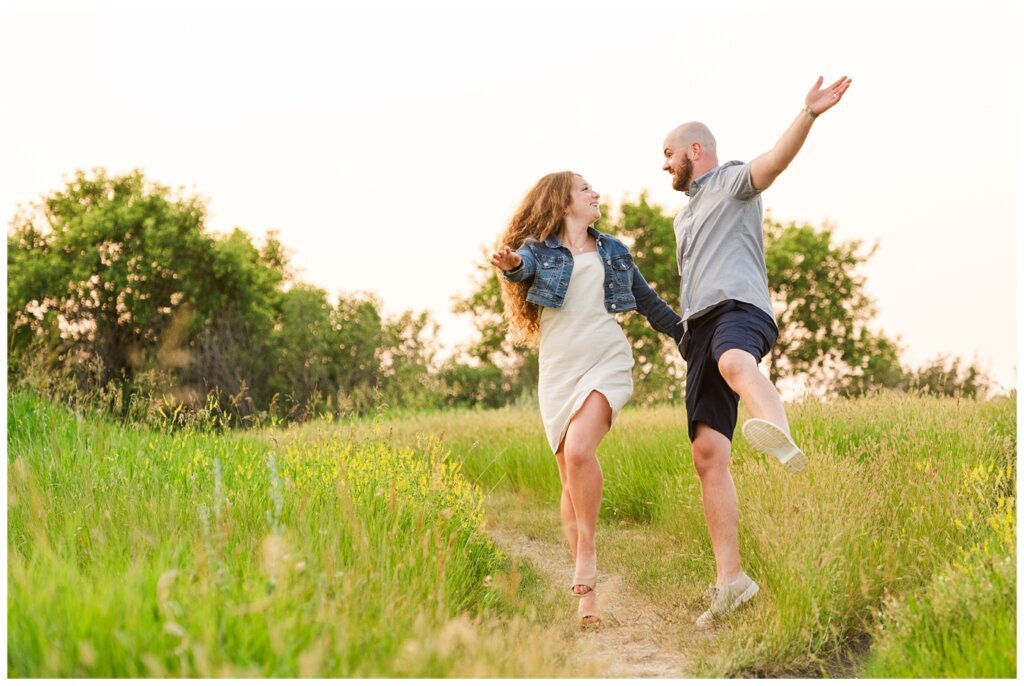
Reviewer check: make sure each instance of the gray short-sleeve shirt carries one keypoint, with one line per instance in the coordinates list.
(720, 242)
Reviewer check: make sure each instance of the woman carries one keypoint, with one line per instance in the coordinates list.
(563, 283)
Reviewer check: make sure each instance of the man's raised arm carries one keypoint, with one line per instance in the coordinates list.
(765, 169)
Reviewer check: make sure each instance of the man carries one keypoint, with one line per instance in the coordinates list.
(730, 323)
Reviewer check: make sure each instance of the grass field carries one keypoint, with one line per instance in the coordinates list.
(358, 549)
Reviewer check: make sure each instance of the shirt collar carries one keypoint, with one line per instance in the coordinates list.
(696, 184)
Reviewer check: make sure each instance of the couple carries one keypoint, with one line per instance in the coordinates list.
(564, 281)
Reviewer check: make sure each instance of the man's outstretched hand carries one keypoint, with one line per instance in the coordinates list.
(506, 259)
(821, 99)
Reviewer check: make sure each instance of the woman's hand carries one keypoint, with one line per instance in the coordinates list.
(506, 259)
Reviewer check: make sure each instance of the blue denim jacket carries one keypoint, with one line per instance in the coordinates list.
(549, 264)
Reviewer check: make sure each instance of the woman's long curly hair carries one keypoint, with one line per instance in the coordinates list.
(541, 214)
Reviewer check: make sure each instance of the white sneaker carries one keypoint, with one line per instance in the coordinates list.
(725, 600)
(770, 439)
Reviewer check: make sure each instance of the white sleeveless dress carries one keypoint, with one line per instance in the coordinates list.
(582, 349)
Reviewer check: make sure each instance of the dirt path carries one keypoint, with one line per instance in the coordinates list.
(632, 640)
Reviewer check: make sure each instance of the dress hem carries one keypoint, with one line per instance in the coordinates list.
(576, 408)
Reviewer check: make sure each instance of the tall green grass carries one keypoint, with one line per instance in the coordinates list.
(963, 623)
(899, 489)
(357, 549)
(506, 450)
(133, 552)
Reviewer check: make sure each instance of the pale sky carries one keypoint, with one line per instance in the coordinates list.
(387, 143)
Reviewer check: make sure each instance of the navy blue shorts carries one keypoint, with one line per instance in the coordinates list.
(727, 326)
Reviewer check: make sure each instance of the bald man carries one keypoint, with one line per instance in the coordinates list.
(729, 322)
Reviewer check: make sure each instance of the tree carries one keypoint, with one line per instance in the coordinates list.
(468, 385)
(234, 348)
(823, 312)
(944, 377)
(115, 277)
(408, 349)
(99, 271)
(877, 367)
(306, 345)
(360, 330)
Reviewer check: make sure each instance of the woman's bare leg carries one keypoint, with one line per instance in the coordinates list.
(584, 480)
(566, 510)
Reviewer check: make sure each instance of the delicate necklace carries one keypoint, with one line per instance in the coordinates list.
(573, 248)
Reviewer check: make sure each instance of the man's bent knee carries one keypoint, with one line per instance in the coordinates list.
(734, 364)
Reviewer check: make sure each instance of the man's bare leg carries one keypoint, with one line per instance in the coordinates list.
(721, 510)
(711, 453)
(740, 371)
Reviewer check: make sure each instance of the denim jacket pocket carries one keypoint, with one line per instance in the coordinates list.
(549, 271)
(622, 272)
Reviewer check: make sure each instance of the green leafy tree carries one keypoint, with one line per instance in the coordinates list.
(113, 277)
(360, 330)
(408, 352)
(467, 385)
(875, 366)
(99, 270)
(235, 347)
(944, 377)
(307, 345)
(823, 312)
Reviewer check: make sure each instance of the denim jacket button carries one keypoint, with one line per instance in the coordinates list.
(613, 306)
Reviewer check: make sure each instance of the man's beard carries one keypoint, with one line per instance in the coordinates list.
(681, 181)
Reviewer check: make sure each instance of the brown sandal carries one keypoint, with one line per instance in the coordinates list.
(593, 615)
(590, 582)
